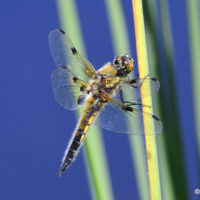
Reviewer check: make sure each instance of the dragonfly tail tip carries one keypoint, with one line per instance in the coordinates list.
(60, 173)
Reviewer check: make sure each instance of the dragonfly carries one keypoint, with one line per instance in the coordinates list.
(110, 98)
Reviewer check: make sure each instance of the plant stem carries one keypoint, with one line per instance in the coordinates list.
(95, 157)
(121, 46)
(150, 141)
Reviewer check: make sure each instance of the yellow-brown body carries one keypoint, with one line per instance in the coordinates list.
(103, 85)
(100, 89)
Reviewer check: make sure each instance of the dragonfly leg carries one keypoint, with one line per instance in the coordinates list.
(136, 83)
(129, 103)
(121, 95)
(148, 75)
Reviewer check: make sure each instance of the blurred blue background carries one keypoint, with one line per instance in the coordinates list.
(35, 129)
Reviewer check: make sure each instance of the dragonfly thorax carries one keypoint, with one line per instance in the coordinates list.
(95, 84)
(103, 86)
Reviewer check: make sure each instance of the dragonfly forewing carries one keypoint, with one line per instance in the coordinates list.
(65, 54)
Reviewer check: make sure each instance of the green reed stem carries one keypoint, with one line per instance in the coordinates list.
(121, 46)
(97, 167)
(143, 67)
(152, 46)
(194, 33)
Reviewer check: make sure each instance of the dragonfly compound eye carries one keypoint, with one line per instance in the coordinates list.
(117, 62)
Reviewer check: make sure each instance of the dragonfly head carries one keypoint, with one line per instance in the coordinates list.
(123, 64)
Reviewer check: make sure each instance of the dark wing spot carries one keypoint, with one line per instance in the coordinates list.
(74, 51)
(154, 79)
(81, 89)
(75, 79)
(156, 118)
(63, 67)
(63, 32)
(81, 99)
(129, 109)
(133, 81)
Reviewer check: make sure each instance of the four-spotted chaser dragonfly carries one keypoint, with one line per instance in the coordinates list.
(109, 95)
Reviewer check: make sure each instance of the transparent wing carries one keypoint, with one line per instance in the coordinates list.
(65, 54)
(131, 88)
(114, 119)
(66, 91)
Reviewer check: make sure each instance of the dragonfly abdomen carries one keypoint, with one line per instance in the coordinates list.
(72, 150)
(88, 116)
